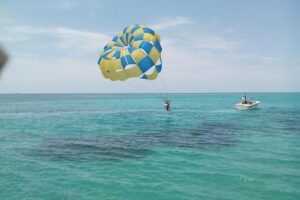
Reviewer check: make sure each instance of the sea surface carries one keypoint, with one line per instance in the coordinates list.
(127, 147)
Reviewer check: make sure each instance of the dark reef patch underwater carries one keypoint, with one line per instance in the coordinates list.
(115, 147)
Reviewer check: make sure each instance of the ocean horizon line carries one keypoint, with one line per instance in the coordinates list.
(46, 93)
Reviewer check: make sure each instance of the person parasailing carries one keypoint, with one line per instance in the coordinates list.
(133, 53)
(167, 105)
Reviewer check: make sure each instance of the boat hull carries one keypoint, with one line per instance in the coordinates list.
(241, 106)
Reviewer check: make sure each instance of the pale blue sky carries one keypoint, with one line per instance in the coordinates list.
(208, 46)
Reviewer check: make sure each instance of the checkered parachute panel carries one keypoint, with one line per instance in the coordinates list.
(134, 52)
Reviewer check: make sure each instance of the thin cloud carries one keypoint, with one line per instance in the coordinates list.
(207, 61)
(67, 5)
(78, 39)
(67, 38)
(171, 23)
(63, 32)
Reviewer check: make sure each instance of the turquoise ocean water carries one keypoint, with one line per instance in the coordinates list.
(125, 146)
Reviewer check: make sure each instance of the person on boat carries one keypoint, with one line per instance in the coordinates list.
(167, 105)
(243, 100)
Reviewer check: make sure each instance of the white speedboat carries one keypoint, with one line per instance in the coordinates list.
(245, 104)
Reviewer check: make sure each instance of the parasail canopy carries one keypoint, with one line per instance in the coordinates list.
(134, 53)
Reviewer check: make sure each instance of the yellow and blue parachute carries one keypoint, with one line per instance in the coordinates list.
(134, 52)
